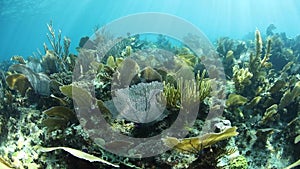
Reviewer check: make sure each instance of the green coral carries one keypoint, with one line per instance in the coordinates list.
(239, 163)
(171, 95)
(236, 100)
(269, 114)
(59, 58)
(187, 92)
(257, 64)
(193, 91)
(254, 65)
(241, 77)
(58, 117)
(253, 102)
(196, 144)
(289, 96)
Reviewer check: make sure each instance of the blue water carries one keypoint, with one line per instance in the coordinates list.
(23, 22)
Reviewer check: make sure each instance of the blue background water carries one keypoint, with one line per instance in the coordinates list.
(23, 22)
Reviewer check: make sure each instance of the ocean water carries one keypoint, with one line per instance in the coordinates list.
(23, 23)
(206, 84)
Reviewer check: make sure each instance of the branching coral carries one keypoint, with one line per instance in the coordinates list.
(18, 59)
(64, 60)
(264, 62)
(171, 95)
(194, 91)
(186, 57)
(55, 41)
(241, 77)
(187, 92)
(253, 76)
(256, 63)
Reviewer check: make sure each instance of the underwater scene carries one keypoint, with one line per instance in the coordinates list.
(130, 84)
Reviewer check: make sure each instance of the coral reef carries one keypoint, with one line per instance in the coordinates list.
(268, 92)
(140, 91)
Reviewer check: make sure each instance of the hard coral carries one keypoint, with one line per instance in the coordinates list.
(238, 163)
(196, 144)
(241, 77)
